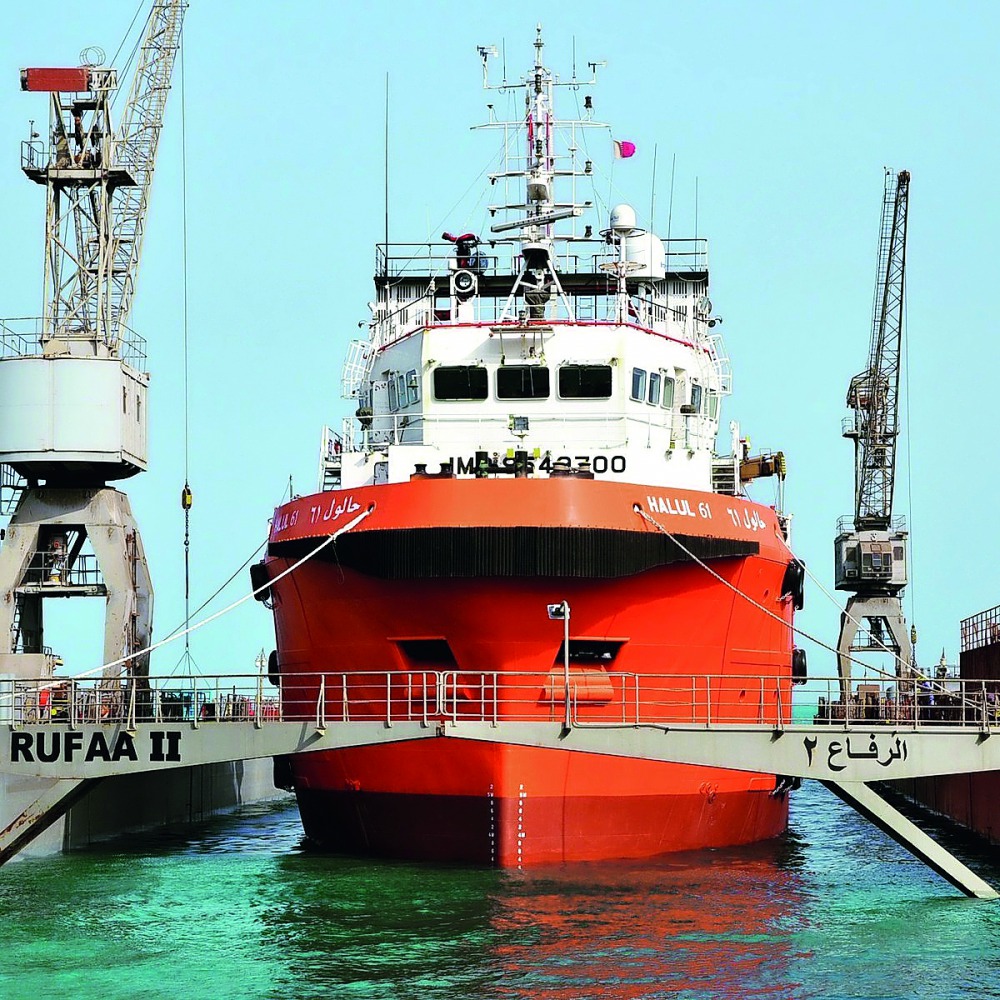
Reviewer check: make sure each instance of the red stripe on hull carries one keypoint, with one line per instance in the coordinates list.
(511, 806)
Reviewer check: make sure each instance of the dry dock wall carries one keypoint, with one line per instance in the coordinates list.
(971, 800)
(133, 803)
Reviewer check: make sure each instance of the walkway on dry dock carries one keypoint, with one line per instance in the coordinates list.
(192, 721)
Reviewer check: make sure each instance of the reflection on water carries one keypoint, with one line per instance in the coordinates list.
(699, 924)
(237, 908)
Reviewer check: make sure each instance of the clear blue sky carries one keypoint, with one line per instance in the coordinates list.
(782, 114)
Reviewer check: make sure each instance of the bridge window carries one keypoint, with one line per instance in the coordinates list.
(585, 381)
(522, 382)
(412, 387)
(638, 384)
(654, 388)
(460, 382)
(393, 397)
(667, 395)
(696, 397)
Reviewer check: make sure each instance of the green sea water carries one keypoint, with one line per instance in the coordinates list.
(240, 908)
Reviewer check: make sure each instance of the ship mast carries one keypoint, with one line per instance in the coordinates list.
(538, 211)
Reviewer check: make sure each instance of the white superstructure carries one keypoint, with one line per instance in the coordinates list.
(559, 343)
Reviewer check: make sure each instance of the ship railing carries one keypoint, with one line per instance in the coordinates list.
(591, 431)
(21, 336)
(597, 697)
(451, 430)
(405, 313)
(492, 258)
(502, 257)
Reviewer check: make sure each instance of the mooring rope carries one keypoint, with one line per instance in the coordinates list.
(226, 610)
(794, 628)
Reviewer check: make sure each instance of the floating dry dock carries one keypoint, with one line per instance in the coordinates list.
(174, 723)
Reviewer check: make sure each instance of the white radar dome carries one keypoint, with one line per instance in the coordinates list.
(647, 251)
(622, 219)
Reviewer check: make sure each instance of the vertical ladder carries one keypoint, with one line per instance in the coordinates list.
(11, 488)
(15, 629)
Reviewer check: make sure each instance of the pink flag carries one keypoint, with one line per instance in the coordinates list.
(623, 149)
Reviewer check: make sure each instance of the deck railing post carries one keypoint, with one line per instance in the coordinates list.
(388, 699)
(708, 700)
(130, 725)
(566, 721)
(321, 705)
(258, 719)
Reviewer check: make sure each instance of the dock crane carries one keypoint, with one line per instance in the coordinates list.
(870, 552)
(73, 387)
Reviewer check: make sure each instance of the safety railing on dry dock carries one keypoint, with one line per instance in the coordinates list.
(596, 696)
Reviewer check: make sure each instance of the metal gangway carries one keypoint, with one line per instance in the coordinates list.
(76, 732)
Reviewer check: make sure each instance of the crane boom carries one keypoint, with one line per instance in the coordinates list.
(99, 182)
(874, 394)
(870, 555)
(73, 413)
(136, 144)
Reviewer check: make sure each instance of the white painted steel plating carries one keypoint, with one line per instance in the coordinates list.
(560, 294)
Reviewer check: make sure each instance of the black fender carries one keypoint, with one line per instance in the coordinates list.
(800, 672)
(793, 583)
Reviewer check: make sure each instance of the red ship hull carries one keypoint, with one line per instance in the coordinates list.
(508, 805)
(683, 642)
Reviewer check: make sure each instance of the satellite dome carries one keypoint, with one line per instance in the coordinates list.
(622, 219)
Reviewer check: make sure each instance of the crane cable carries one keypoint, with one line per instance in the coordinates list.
(746, 597)
(909, 465)
(187, 498)
(230, 607)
